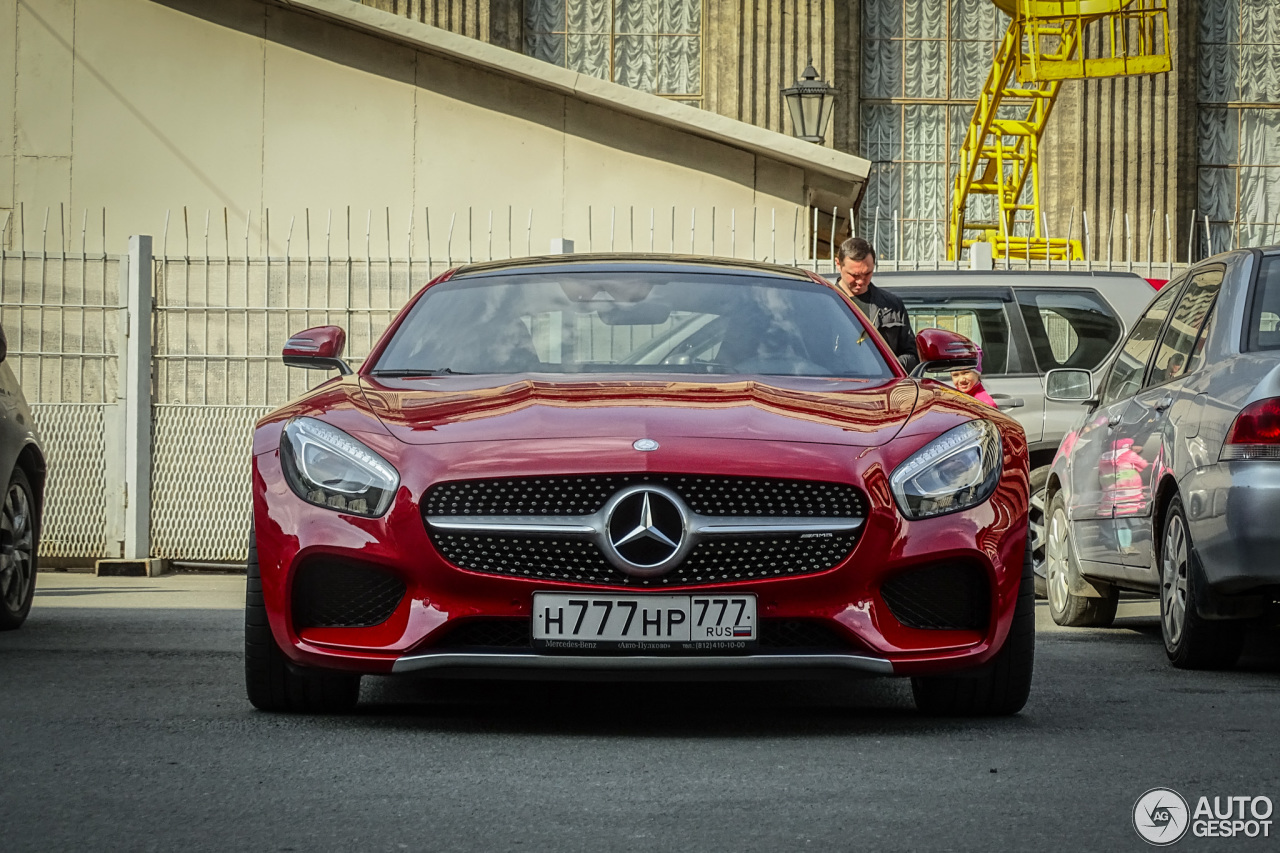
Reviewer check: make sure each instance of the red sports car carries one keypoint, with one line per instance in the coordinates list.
(623, 467)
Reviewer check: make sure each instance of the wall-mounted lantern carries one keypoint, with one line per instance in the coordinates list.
(810, 101)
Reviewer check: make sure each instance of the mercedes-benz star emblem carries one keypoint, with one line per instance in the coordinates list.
(647, 530)
(645, 444)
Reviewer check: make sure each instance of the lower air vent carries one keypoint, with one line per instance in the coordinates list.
(490, 634)
(775, 635)
(796, 634)
(947, 596)
(340, 595)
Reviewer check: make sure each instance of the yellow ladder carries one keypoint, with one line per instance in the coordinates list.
(1043, 47)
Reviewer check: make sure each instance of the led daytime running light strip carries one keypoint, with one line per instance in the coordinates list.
(355, 451)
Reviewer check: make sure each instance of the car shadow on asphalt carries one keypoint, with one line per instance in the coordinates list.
(666, 709)
(73, 591)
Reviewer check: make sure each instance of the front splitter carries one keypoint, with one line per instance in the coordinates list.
(634, 667)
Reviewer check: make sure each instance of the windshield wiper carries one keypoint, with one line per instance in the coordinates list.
(414, 371)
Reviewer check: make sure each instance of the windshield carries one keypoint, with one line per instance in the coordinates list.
(632, 322)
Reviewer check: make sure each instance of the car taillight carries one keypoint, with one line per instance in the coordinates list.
(1255, 433)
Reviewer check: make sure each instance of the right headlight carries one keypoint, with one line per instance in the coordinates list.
(329, 468)
(957, 470)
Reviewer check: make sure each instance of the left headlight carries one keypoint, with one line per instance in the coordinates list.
(329, 468)
(955, 471)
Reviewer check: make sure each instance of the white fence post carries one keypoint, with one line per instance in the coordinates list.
(136, 281)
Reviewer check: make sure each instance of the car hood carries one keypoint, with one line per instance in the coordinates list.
(442, 410)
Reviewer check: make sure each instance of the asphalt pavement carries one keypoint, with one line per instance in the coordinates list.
(123, 726)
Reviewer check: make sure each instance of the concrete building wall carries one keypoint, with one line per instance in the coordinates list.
(143, 107)
(752, 49)
(1117, 147)
(1126, 146)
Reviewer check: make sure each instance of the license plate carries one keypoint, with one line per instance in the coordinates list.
(568, 622)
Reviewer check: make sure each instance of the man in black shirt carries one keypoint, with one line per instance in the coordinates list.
(856, 261)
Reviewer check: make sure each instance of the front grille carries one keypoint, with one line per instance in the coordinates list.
(947, 596)
(340, 595)
(756, 496)
(580, 561)
(774, 634)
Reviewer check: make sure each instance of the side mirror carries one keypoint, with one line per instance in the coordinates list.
(4, 346)
(1068, 385)
(317, 349)
(942, 350)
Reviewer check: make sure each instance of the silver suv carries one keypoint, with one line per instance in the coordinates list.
(1027, 324)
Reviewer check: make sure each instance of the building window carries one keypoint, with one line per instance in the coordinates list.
(1238, 187)
(924, 63)
(651, 45)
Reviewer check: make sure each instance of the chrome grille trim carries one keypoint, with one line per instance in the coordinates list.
(594, 525)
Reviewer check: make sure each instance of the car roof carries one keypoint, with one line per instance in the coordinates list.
(630, 262)
(1006, 278)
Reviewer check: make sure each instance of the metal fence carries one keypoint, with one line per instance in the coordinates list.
(62, 316)
(215, 327)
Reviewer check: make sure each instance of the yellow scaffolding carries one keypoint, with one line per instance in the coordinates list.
(1046, 43)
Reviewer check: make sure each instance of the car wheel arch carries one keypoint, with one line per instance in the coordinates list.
(1165, 493)
(32, 463)
(1052, 488)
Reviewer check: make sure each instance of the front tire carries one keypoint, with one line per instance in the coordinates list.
(1190, 641)
(1003, 685)
(19, 548)
(1060, 567)
(272, 682)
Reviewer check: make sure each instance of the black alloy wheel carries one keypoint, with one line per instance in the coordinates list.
(19, 548)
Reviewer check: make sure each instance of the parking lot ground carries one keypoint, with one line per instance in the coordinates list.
(123, 726)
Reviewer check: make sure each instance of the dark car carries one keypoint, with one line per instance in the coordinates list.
(1170, 483)
(504, 490)
(22, 469)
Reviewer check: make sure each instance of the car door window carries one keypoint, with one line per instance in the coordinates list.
(1125, 377)
(1178, 343)
(1263, 331)
(1069, 328)
(985, 321)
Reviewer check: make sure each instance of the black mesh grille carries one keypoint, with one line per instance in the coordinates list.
(801, 634)
(949, 596)
(580, 561)
(788, 634)
(337, 595)
(489, 633)
(756, 496)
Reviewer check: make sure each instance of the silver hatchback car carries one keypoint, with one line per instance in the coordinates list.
(22, 475)
(1170, 483)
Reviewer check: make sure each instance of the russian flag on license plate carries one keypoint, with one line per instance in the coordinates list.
(742, 630)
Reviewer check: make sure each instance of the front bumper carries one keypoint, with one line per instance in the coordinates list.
(845, 600)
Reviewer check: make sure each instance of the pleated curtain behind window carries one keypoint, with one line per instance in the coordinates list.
(651, 45)
(1239, 123)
